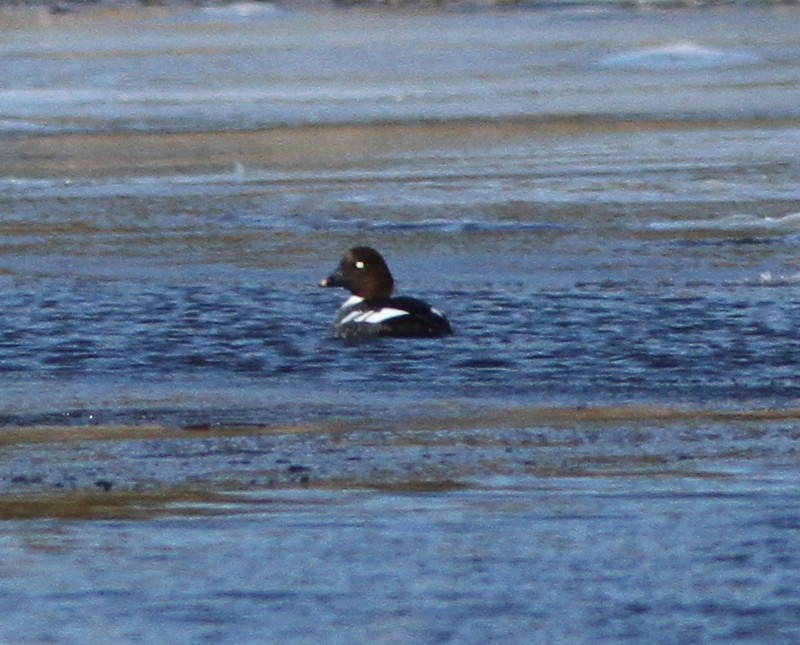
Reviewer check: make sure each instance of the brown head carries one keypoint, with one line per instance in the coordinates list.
(363, 272)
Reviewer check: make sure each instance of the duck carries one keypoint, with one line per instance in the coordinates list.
(371, 310)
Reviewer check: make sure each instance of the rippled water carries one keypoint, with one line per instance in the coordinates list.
(581, 562)
(604, 202)
(585, 267)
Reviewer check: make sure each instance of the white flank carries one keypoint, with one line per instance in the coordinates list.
(372, 317)
(387, 313)
(369, 317)
(352, 301)
(351, 317)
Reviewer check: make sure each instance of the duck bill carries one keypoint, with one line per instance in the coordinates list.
(333, 280)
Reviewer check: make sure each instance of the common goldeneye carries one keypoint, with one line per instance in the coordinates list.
(371, 311)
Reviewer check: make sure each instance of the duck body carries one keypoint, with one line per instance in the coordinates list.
(371, 310)
(401, 317)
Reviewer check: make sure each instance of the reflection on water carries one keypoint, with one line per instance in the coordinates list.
(604, 202)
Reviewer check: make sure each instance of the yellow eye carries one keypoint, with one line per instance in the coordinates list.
(360, 265)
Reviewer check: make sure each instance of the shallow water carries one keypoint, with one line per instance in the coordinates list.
(605, 203)
(578, 562)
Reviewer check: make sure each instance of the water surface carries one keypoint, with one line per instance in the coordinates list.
(605, 203)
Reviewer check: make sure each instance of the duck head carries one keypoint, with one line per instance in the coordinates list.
(363, 272)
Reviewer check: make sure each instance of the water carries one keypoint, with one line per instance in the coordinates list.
(484, 566)
(605, 203)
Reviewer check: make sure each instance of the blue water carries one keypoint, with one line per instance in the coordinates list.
(272, 357)
(577, 269)
(605, 203)
(579, 562)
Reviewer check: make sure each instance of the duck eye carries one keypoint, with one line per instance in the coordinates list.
(360, 264)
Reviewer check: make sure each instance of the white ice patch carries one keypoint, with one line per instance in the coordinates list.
(242, 10)
(678, 56)
(767, 278)
(735, 223)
